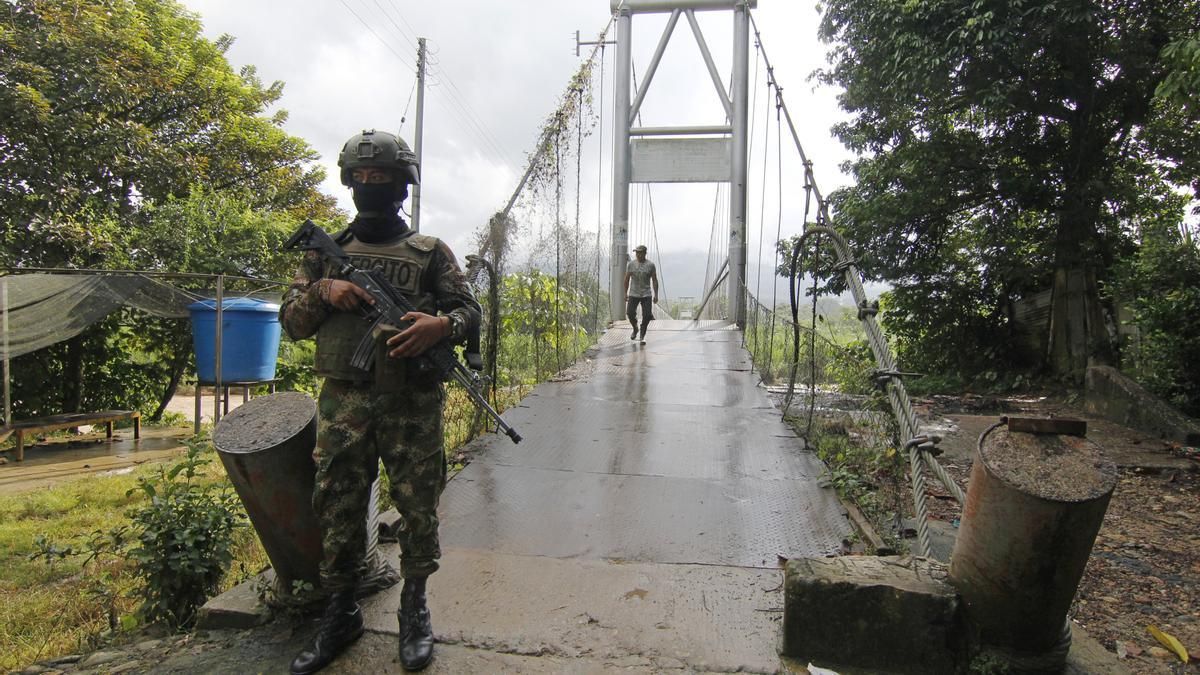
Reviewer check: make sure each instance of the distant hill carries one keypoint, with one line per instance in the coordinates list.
(682, 275)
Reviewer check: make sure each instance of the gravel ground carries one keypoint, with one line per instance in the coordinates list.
(1145, 567)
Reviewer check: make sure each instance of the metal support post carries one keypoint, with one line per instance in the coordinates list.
(737, 189)
(580, 43)
(217, 363)
(621, 164)
(663, 6)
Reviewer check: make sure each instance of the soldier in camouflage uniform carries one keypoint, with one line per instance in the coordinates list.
(394, 413)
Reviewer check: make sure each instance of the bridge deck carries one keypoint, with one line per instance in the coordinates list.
(644, 516)
(666, 452)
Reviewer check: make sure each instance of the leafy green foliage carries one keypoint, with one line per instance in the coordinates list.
(852, 367)
(1163, 283)
(124, 101)
(1182, 83)
(127, 141)
(863, 465)
(88, 592)
(179, 542)
(1002, 141)
(295, 369)
(182, 539)
(542, 327)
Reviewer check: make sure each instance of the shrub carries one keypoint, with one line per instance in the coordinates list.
(182, 539)
(1162, 284)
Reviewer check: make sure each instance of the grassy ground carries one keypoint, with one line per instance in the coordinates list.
(66, 606)
(72, 605)
(863, 465)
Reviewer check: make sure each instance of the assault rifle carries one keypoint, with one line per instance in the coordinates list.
(389, 308)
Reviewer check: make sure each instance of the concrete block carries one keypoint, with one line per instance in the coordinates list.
(239, 607)
(1115, 397)
(889, 615)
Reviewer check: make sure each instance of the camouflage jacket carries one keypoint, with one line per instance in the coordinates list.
(442, 287)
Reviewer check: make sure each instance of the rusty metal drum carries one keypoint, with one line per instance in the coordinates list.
(266, 446)
(1035, 502)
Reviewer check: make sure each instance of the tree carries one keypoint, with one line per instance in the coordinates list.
(1162, 282)
(110, 104)
(116, 116)
(1009, 146)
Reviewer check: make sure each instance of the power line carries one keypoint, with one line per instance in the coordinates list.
(377, 35)
(400, 15)
(411, 39)
(456, 95)
(456, 105)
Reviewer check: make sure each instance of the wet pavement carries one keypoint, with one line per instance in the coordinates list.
(641, 526)
(668, 452)
(645, 516)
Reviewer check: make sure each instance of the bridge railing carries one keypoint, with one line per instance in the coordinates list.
(534, 326)
(783, 350)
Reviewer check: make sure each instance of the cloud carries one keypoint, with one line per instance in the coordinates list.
(497, 70)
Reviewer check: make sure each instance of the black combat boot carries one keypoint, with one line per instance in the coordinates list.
(416, 633)
(341, 625)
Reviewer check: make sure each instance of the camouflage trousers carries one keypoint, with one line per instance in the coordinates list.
(356, 428)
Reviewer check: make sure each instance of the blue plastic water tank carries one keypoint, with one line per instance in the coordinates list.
(249, 339)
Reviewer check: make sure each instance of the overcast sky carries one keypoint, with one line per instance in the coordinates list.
(498, 69)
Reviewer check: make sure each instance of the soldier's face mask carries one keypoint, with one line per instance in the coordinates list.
(376, 197)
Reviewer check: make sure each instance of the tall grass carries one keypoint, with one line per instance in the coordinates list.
(50, 608)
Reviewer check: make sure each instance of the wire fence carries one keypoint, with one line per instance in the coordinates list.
(784, 351)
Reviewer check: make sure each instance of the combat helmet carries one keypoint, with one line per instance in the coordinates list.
(382, 150)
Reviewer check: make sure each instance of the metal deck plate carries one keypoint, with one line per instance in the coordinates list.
(572, 514)
(671, 440)
(667, 452)
(651, 386)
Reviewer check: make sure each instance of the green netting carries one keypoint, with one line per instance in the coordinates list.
(43, 309)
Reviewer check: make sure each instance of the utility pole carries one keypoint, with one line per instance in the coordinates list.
(416, 189)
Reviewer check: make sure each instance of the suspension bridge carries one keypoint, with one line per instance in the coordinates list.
(647, 515)
(658, 493)
(618, 386)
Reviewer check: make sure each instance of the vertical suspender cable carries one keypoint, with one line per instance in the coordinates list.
(762, 206)
(599, 198)
(662, 283)
(577, 235)
(778, 230)
(558, 363)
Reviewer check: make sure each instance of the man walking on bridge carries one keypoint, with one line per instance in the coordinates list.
(641, 288)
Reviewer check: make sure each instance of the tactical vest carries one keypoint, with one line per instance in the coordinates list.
(405, 263)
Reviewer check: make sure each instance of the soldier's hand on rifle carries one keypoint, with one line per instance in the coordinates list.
(345, 295)
(425, 331)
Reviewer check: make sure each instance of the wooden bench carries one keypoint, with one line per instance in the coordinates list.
(67, 421)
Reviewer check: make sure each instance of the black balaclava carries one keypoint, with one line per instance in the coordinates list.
(378, 207)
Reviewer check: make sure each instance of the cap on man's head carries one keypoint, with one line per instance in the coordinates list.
(641, 248)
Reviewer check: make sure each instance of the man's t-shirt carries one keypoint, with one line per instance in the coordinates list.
(639, 278)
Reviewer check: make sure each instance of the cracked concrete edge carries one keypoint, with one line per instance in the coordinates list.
(239, 607)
